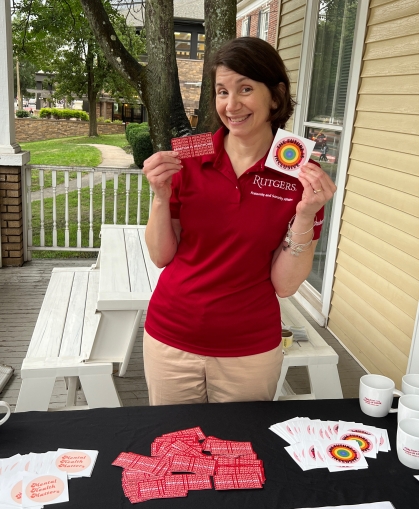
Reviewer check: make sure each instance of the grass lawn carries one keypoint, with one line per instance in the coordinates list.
(68, 152)
(72, 151)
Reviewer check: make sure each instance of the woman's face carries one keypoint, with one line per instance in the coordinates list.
(242, 104)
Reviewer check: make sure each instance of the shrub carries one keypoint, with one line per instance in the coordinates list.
(22, 113)
(141, 146)
(45, 113)
(64, 113)
(101, 119)
(108, 121)
(118, 122)
(134, 127)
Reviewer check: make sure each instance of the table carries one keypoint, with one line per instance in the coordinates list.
(113, 430)
(127, 278)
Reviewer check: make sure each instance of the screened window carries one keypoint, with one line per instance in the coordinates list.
(326, 105)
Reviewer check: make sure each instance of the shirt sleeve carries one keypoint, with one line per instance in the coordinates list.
(174, 199)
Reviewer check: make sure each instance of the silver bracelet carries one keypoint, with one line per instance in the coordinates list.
(295, 247)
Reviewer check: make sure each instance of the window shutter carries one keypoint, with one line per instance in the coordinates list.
(259, 23)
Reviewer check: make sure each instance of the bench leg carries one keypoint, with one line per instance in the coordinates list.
(73, 384)
(35, 394)
(325, 382)
(284, 370)
(100, 391)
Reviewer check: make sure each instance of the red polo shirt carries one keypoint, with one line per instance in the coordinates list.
(216, 297)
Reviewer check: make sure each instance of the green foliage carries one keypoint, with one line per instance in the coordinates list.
(142, 148)
(119, 122)
(55, 36)
(64, 113)
(22, 113)
(134, 127)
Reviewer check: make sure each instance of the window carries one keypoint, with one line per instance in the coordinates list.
(183, 44)
(326, 105)
(200, 47)
(245, 27)
(263, 25)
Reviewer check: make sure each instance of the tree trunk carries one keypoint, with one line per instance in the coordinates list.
(220, 26)
(92, 91)
(162, 95)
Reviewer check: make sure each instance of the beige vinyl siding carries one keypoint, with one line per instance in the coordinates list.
(376, 287)
(290, 37)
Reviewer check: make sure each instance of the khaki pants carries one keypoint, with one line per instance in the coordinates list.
(175, 377)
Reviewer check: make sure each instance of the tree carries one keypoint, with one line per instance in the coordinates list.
(158, 82)
(55, 35)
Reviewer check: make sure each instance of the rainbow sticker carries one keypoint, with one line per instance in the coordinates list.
(289, 153)
(343, 453)
(363, 442)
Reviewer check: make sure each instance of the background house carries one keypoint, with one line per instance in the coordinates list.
(257, 18)
(190, 46)
(354, 69)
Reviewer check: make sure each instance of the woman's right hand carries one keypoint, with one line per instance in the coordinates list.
(159, 169)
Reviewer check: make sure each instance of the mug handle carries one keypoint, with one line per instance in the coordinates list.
(3, 403)
(398, 393)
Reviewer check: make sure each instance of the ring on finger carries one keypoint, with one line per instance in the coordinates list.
(315, 191)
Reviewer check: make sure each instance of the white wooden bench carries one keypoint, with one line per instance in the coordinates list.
(88, 322)
(319, 358)
(62, 340)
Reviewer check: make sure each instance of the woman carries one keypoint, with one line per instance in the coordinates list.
(218, 224)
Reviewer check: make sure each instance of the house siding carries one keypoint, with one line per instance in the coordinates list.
(290, 38)
(376, 286)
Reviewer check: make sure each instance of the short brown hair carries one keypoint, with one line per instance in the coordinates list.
(258, 60)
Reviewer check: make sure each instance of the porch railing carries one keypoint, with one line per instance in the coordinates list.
(64, 207)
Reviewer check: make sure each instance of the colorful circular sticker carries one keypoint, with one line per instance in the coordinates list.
(289, 154)
(364, 444)
(45, 488)
(343, 453)
(73, 461)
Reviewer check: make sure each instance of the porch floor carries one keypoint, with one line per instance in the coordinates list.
(22, 290)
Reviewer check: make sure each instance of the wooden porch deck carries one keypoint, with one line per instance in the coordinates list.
(21, 293)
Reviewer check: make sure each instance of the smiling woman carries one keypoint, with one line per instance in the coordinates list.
(231, 233)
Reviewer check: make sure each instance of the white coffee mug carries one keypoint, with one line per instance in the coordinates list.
(376, 395)
(408, 442)
(3, 403)
(408, 407)
(410, 384)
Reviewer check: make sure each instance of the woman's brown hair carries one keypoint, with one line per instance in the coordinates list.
(258, 60)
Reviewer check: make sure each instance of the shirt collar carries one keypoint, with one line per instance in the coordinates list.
(218, 142)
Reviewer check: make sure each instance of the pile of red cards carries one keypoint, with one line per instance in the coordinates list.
(186, 460)
(192, 146)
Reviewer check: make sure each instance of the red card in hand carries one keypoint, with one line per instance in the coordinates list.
(192, 146)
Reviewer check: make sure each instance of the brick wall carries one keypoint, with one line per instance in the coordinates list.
(254, 20)
(11, 216)
(190, 71)
(46, 129)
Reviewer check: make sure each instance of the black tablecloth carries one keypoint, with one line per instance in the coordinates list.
(111, 431)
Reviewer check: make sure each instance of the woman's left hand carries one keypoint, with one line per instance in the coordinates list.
(318, 189)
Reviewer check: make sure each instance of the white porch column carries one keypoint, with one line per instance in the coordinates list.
(12, 159)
